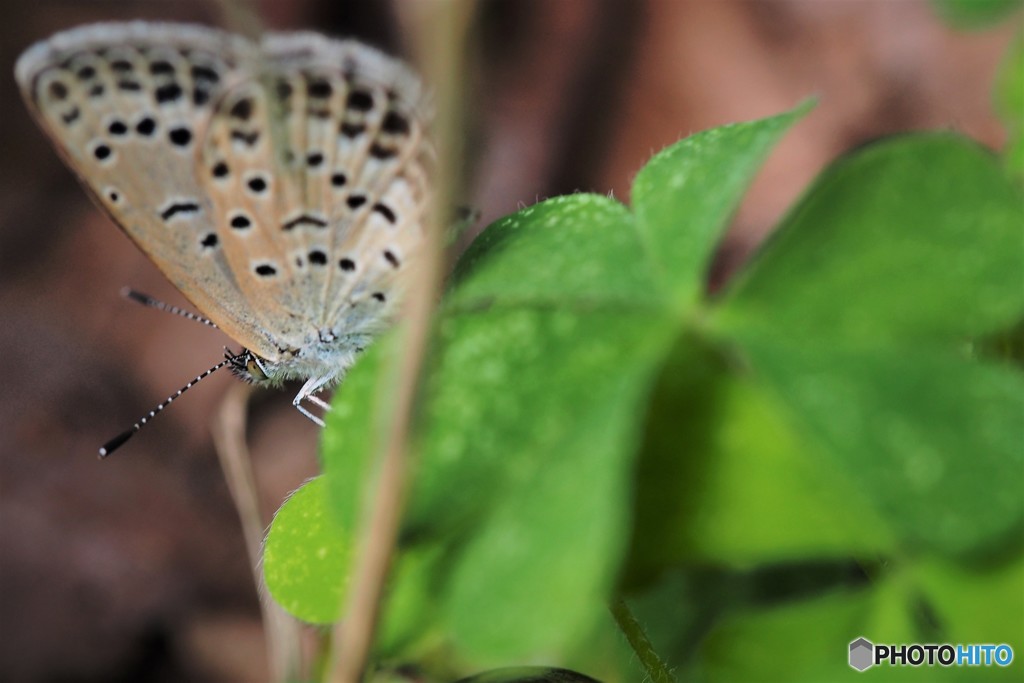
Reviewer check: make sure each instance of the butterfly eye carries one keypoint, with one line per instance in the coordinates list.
(254, 369)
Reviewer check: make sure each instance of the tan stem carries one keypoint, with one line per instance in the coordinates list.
(282, 634)
(442, 43)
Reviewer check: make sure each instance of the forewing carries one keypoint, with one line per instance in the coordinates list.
(126, 105)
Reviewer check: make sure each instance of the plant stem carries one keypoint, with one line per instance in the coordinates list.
(656, 669)
(444, 26)
(282, 633)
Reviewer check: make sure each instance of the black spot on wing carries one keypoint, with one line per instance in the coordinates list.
(70, 116)
(359, 100)
(304, 219)
(386, 211)
(169, 92)
(249, 139)
(146, 126)
(319, 88)
(102, 152)
(379, 151)
(395, 124)
(176, 208)
(351, 130)
(58, 90)
(161, 66)
(242, 109)
(180, 136)
(204, 73)
(257, 184)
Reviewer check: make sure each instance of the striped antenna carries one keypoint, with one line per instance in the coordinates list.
(150, 302)
(118, 441)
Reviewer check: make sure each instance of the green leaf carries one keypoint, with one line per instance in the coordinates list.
(916, 239)
(974, 14)
(933, 439)
(580, 250)
(979, 604)
(803, 641)
(685, 195)
(808, 641)
(306, 557)
(525, 439)
(1009, 96)
(506, 473)
(548, 481)
(725, 480)
(346, 453)
(409, 623)
(709, 626)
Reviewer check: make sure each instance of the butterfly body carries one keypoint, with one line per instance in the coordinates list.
(281, 186)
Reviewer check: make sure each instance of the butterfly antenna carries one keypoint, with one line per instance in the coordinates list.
(118, 441)
(150, 302)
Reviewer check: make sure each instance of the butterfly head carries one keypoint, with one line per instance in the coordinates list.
(249, 367)
(328, 358)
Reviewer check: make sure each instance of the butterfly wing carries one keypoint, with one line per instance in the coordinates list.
(321, 190)
(126, 105)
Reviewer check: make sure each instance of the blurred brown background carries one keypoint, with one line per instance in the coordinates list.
(134, 569)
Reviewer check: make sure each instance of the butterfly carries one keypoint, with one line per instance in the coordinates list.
(282, 186)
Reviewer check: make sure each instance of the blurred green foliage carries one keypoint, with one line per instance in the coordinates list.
(815, 455)
(1009, 96)
(970, 14)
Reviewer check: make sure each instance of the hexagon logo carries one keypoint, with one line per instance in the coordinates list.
(862, 653)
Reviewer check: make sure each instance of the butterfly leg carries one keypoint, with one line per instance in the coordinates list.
(316, 400)
(312, 385)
